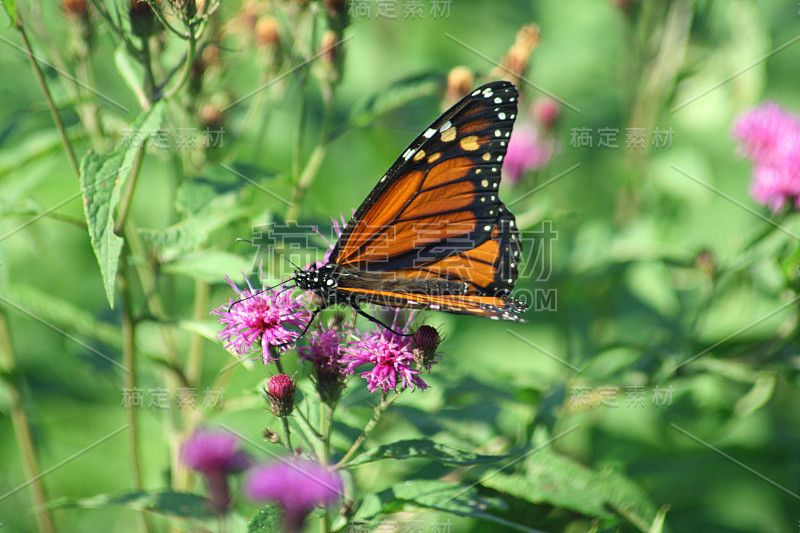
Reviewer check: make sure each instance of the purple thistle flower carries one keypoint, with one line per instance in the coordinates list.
(527, 150)
(215, 455)
(391, 355)
(212, 451)
(324, 353)
(770, 137)
(323, 346)
(297, 486)
(261, 318)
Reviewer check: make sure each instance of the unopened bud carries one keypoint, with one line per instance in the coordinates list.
(267, 33)
(75, 8)
(280, 392)
(459, 82)
(211, 116)
(426, 340)
(335, 7)
(546, 111)
(143, 20)
(329, 47)
(187, 9)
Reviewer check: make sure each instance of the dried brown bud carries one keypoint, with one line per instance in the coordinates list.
(76, 8)
(335, 7)
(459, 82)
(329, 47)
(211, 116)
(528, 37)
(266, 31)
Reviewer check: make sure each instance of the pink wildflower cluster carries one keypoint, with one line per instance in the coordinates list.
(770, 137)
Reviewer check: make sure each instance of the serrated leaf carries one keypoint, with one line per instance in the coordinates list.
(553, 479)
(266, 520)
(207, 265)
(397, 94)
(102, 178)
(424, 449)
(176, 504)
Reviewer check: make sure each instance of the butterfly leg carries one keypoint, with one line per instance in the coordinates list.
(376, 320)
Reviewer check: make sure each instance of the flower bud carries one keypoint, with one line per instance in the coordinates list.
(187, 9)
(546, 111)
(280, 392)
(459, 82)
(143, 20)
(335, 7)
(75, 8)
(329, 47)
(426, 340)
(266, 30)
(211, 116)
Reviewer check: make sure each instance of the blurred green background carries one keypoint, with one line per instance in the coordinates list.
(651, 268)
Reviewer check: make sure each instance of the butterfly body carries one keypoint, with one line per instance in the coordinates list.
(433, 233)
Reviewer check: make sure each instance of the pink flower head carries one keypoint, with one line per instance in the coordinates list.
(391, 356)
(261, 318)
(527, 150)
(215, 455)
(298, 487)
(212, 452)
(770, 137)
(323, 346)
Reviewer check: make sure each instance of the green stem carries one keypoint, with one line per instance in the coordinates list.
(187, 68)
(149, 79)
(129, 362)
(194, 364)
(127, 198)
(286, 433)
(49, 98)
(376, 416)
(22, 430)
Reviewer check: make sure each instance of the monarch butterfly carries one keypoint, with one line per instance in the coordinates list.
(433, 233)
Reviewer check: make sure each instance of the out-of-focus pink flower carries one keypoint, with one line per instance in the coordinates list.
(298, 486)
(527, 150)
(770, 137)
(215, 455)
(261, 318)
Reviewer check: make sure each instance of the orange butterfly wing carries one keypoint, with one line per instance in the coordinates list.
(436, 214)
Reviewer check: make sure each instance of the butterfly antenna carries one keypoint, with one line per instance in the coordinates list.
(288, 287)
(271, 250)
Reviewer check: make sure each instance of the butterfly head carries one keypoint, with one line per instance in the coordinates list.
(318, 280)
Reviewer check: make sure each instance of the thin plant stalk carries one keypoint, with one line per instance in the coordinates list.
(22, 430)
(73, 161)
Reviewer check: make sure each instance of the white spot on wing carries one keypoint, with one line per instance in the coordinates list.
(498, 100)
(430, 132)
(501, 116)
(445, 126)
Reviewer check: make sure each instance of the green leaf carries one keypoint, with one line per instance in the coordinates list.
(427, 449)
(207, 266)
(131, 71)
(102, 179)
(758, 396)
(433, 494)
(549, 478)
(267, 519)
(11, 10)
(398, 94)
(174, 504)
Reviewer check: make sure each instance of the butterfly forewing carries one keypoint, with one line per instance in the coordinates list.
(433, 232)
